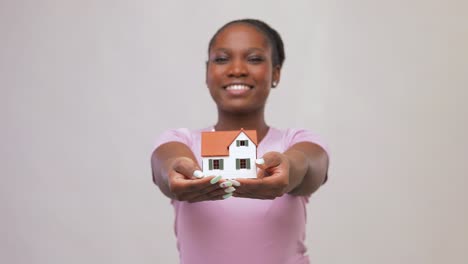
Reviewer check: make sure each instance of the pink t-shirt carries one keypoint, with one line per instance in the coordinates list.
(240, 230)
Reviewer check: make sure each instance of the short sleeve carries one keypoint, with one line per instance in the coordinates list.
(294, 136)
(181, 135)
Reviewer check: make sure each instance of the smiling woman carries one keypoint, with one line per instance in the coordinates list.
(241, 68)
(244, 63)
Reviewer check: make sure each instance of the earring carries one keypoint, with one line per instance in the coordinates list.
(274, 84)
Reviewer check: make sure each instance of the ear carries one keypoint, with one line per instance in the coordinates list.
(206, 73)
(276, 76)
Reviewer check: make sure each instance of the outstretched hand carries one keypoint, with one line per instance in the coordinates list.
(272, 178)
(187, 183)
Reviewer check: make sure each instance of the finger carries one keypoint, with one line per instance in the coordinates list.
(261, 173)
(267, 187)
(246, 192)
(251, 196)
(250, 184)
(188, 168)
(245, 195)
(215, 186)
(235, 183)
(218, 194)
(269, 160)
(197, 197)
(182, 185)
(198, 174)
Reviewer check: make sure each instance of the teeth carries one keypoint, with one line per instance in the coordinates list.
(237, 87)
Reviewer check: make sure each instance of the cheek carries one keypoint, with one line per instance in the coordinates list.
(209, 76)
(263, 74)
(213, 81)
(214, 74)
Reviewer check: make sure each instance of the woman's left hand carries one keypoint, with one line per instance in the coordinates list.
(272, 178)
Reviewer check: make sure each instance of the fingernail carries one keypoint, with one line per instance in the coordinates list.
(260, 161)
(225, 184)
(230, 189)
(227, 195)
(235, 183)
(198, 174)
(216, 179)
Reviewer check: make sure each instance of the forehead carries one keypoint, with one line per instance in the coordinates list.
(239, 36)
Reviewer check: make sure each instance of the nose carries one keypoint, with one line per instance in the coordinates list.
(237, 69)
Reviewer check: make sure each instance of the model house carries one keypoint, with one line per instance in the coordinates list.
(231, 154)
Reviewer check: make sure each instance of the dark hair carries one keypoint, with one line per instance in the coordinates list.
(273, 37)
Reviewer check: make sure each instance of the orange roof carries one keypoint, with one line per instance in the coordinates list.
(217, 143)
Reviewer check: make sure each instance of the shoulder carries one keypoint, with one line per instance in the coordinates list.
(183, 135)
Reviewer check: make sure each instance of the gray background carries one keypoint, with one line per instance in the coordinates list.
(86, 86)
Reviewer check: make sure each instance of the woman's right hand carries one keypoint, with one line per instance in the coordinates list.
(186, 185)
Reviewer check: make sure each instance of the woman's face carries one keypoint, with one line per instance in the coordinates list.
(239, 70)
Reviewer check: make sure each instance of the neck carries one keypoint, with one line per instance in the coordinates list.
(247, 121)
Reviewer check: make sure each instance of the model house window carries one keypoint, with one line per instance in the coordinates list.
(242, 164)
(216, 164)
(242, 143)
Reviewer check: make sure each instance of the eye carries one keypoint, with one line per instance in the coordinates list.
(220, 60)
(255, 59)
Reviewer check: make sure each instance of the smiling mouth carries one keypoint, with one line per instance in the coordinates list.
(238, 87)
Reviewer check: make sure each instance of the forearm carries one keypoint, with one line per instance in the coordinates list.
(160, 175)
(308, 165)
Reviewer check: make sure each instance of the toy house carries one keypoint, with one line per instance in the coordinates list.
(231, 154)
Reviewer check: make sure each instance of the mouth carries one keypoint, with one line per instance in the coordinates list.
(237, 87)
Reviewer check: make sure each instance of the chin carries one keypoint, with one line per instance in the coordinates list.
(238, 109)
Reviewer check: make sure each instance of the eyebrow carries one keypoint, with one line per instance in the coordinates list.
(249, 50)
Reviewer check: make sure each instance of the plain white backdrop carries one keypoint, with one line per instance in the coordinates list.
(86, 86)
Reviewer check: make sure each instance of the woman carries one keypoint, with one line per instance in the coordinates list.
(245, 59)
